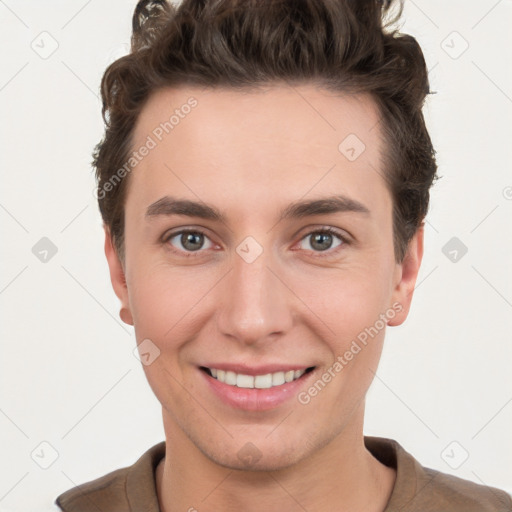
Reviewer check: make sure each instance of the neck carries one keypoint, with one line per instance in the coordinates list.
(342, 476)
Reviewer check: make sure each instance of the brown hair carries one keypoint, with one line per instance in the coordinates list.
(341, 45)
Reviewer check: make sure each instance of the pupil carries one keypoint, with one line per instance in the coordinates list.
(188, 240)
(322, 237)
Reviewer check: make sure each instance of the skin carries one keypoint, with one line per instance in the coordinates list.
(251, 154)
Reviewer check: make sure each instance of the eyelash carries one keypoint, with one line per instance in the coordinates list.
(320, 254)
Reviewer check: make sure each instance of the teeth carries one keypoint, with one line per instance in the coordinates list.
(259, 381)
(278, 378)
(230, 378)
(244, 381)
(263, 381)
(289, 376)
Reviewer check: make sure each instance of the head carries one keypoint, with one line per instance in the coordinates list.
(279, 119)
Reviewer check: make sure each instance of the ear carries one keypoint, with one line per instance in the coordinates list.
(407, 272)
(117, 278)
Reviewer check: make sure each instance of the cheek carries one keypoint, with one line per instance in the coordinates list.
(166, 306)
(159, 298)
(170, 306)
(350, 316)
(345, 301)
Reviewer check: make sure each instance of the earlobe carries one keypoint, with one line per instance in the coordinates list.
(408, 273)
(126, 316)
(117, 278)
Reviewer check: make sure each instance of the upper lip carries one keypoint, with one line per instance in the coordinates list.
(256, 370)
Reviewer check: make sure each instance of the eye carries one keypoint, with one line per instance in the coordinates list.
(187, 241)
(321, 240)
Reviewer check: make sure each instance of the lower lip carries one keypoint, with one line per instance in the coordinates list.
(253, 399)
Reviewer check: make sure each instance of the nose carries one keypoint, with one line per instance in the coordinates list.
(255, 305)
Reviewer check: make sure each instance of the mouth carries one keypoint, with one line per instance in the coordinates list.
(263, 381)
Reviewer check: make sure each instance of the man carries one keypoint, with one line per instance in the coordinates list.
(263, 181)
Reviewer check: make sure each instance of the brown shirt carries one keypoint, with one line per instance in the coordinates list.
(417, 489)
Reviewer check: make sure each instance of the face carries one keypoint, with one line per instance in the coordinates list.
(259, 240)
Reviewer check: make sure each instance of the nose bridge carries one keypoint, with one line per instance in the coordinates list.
(254, 303)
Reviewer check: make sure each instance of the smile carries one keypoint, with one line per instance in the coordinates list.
(266, 381)
(256, 388)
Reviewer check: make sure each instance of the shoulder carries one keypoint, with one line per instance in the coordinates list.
(128, 488)
(104, 493)
(445, 491)
(421, 489)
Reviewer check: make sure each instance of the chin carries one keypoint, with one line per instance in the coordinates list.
(252, 459)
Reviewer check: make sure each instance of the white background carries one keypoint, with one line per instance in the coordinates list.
(67, 369)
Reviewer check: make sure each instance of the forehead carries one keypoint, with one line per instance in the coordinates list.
(281, 138)
(291, 112)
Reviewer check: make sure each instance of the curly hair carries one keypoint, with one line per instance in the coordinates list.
(340, 45)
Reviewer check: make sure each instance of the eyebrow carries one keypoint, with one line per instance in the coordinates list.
(168, 205)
